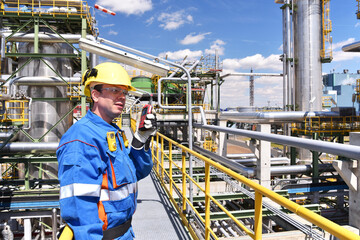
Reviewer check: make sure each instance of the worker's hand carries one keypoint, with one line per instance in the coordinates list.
(142, 136)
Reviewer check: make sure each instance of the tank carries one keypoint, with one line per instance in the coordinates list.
(307, 45)
(143, 83)
(46, 113)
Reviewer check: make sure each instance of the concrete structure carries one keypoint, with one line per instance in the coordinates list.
(350, 172)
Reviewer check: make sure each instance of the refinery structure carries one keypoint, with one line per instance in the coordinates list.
(241, 174)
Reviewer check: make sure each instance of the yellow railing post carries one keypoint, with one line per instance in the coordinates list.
(258, 216)
(183, 171)
(207, 201)
(162, 159)
(157, 153)
(170, 169)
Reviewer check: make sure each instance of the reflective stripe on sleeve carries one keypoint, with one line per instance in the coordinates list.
(80, 189)
(119, 194)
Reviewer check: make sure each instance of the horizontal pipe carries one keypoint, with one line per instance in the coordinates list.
(274, 116)
(275, 171)
(245, 171)
(43, 37)
(5, 135)
(278, 160)
(252, 74)
(30, 147)
(48, 81)
(349, 151)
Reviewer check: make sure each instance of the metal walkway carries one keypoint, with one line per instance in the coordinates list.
(155, 217)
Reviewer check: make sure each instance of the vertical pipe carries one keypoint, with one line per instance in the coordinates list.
(315, 162)
(27, 175)
(83, 68)
(258, 216)
(27, 229)
(217, 83)
(54, 223)
(36, 35)
(285, 57)
(207, 201)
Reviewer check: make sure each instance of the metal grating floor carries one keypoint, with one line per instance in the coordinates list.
(155, 217)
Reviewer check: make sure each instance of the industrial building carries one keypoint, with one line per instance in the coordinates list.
(293, 175)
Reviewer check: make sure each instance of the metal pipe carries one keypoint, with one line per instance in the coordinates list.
(240, 155)
(202, 113)
(30, 147)
(349, 151)
(250, 172)
(48, 81)
(275, 116)
(54, 223)
(278, 160)
(246, 171)
(43, 37)
(252, 74)
(5, 135)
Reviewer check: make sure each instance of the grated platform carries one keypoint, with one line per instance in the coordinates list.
(155, 217)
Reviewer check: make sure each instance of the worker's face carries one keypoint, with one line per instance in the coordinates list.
(110, 101)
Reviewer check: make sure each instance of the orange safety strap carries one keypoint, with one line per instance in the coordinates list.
(101, 209)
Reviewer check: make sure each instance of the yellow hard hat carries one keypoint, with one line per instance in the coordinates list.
(106, 73)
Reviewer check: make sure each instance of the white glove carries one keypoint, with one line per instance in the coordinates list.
(142, 137)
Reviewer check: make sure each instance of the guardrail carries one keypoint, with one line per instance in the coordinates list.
(167, 180)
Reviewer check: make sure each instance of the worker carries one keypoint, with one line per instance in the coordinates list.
(98, 175)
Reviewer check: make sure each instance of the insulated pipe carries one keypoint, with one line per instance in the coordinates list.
(279, 160)
(349, 151)
(30, 147)
(5, 135)
(252, 74)
(43, 37)
(275, 116)
(48, 81)
(245, 171)
(275, 171)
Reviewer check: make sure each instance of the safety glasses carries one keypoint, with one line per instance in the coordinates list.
(116, 91)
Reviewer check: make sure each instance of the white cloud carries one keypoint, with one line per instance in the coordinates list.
(193, 39)
(344, 56)
(255, 62)
(216, 45)
(266, 89)
(339, 45)
(172, 21)
(108, 25)
(136, 7)
(181, 54)
(150, 21)
(111, 32)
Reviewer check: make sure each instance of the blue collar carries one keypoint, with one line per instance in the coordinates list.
(101, 123)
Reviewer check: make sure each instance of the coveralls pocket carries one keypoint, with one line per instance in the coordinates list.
(119, 211)
(122, 169)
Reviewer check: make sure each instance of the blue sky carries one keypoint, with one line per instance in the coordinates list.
(246, 34)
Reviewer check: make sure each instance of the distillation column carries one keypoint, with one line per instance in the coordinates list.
(307, 45)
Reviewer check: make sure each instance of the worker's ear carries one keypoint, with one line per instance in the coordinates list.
(95, 95)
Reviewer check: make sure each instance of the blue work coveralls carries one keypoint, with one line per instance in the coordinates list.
(98, 187)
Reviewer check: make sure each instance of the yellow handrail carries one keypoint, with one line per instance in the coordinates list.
(260, 192)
